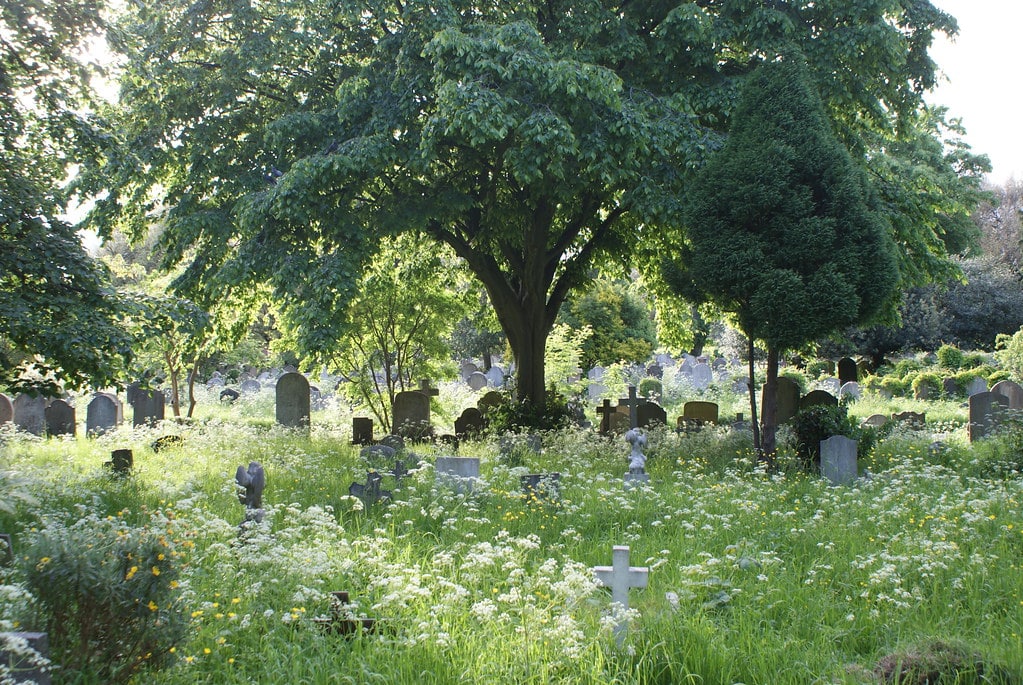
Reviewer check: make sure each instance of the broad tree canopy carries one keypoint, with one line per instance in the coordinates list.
(279, 140)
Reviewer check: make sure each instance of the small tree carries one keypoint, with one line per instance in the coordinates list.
(782, 228)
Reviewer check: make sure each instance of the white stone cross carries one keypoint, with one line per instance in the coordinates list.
(620, 577)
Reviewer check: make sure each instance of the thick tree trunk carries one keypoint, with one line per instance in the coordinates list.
(752, 383)
(770, 408)
(701, 333)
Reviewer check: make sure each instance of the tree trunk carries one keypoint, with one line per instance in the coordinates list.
(191, 387)
(529, 345)
(752, 383)
(770, 408)
(701, 333)
(175, 380)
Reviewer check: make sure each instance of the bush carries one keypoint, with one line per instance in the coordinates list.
(109, 593)
(1009, 352)
(821, 422)
(820, 367)
(950, 357)
(927, 385)
(512, 417)
(650, 388)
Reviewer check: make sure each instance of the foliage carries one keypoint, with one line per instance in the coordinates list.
(564, 355)
(988, 303)
(813, 424)
(623, 329)
(927, 384)
(109, 591)
(950, 357)
(1009, 353)
(514, 416)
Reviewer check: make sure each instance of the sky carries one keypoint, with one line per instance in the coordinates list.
(980, 83)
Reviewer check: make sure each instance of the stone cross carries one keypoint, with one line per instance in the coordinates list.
(424, 387)
(620, 577)
(605, 410)
(369, 492)
(632, 402)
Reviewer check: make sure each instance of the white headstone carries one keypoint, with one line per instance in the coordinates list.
(703, 376)
(852, 389)
(838, 459)
(975, 386)
(477, 380)
(460, 473)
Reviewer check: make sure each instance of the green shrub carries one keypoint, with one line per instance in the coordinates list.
(905, 367)
(930, 381)
(109, 593)
(650, 388)
(1009, 353)
(950, 357)
(512, 417)
(820, 367)
(813, 424)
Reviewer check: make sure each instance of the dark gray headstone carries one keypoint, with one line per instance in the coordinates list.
(490, 400)
(60, 419)
(410, 414)
(649, 414)
(542, 488)
(976, 385)
(950, 387)
(30, 414)
(103, 414)
(251, 482)
(986, 410)
(816, 398)
(1010, 390)
(370, 492)
(147, 407)
(847, 371)
(293, 400)
(250, 385)
(788, 399)
(362, 430)
(26, 669)
(6, 409)
(121, 462)
(838, 459)
(469, 424)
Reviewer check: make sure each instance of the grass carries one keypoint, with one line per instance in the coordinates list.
(754, 577)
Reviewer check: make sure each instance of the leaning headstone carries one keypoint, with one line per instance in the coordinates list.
(26, 656)
(703, 376)
(621, 577)
(875, 420)
(650, 414)
(6, 409)
(362, 430)
(147, 407)
(467, 369)
(787, 396)
(293, 400)
(976, 385)
(847, 371)
(542, 488)
(30, 414)
(121, 462)
(838, 459)
(60, 419)
(816, 398)
(469, 424)
(410, 414)
(459, 473)
(852, 389)
(251, 483)
(229, 395)
(986, 410)
(369, 492)
(477, 380)
(103, 414)
(1010, 390)
(250, 385)
(396, 442)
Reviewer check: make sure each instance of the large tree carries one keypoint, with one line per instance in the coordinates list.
(783, 229)
(58, 315)
(280, 140)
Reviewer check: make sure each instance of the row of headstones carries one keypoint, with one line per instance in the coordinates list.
(40, 416)
(477, 379)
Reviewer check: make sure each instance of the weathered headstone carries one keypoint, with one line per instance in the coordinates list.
(477, 380)
(147, 407)
(103, 414)
(293, 401)
(467, 369)
(875, 420)
(852, 389)
(847, 371)
(369, 492)
(950, 386)
(469, 424)
(490, 400)
(986, 409)
(121, 462)
(596, 388)
(542, 488)
(26, 656)
(1012, 391)
(30, 414)
(459, 473)
(393, 441)
(621, 577)
(911, 419)
(251, 482)
(787, 397)
(976, 385)
(655, 370)
(362, 430)
(6, 409)
(631, 404)
(816, 398)
(229, 395)
(650, 414)
(703, 412)
(250, 385)
(341, 621)
(60, 419)
(703, 376)
(495, 374)
(636, 475)
(410, 415)
(838, 459)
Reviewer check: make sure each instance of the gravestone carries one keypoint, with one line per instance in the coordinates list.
(976, 385)
(147, 407)
(911, 419)
(621, 577)
(818, 398)
(636, 475)
(26, 668)
(631, 404)
(787, 396)
(838, 459)
(341, 620)
(986, 410)
(362, 430)
(215, 382)
(30, 414)
(477, 380)
(847, 371)
(103, 414)
(950, 387)
(410, 415)
(369, 492)
(606, 411)
(373, 454)
(875, 420)
(6, 409)
(121, 462)
(458, 473)
(1012, 391)
(650, 414)
(60, 419)
(719, 364)
(495, 374)
(852, 389)
(703, 376)
(293, 400)
(832, 385)
(250, 385)
(596, 388)
(922, 391)
(6, 550)
(469, 424)
(542, 488)
(395, 442)
(467, 369)
(251, 483)
(490, 400)
(740, 386)
(655, 370)
(704, 412)
(229, 395)
(167, 442)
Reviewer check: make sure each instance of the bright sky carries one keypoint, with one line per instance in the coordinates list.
(981, 85)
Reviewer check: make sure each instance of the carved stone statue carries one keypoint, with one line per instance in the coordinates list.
(252, 481)
(637, 460)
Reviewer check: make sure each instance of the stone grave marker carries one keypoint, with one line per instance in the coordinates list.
(165, 442)
(470, 424)
(605, 411)
(459, 473)
(847, 371)
(950, 386)
(477, 380)
(250, 385)
(489, 401)
(740, 386)
(251, 483)
(542, 488)
(341, 621)
(6, 550)
(911, 419)
(229, 395)
(621, 577)
(719, 364)
(852, 389)
(362, 430)
(703, 376)
(832, 385)
(816, 398)
(6, 409)
(596, 388)
(26, 668)
(104, 413)
(293, 400)
(369, 492)
(495, 374)
(700, 411)
(216, 381)
(1010, 390)
(410, 415)
(121, 462)
(467, 369)
(631, 404)
(985, 414)
(788, 399)
(838, 459)
(875, 420)
(649, 414)
(976, 385)
(636, 475)
(30, 414)
(655, 370)
(60, 419)
(147, 407)
(396, 442)
(922, 392)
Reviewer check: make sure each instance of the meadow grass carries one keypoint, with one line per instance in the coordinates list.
(755, 577)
